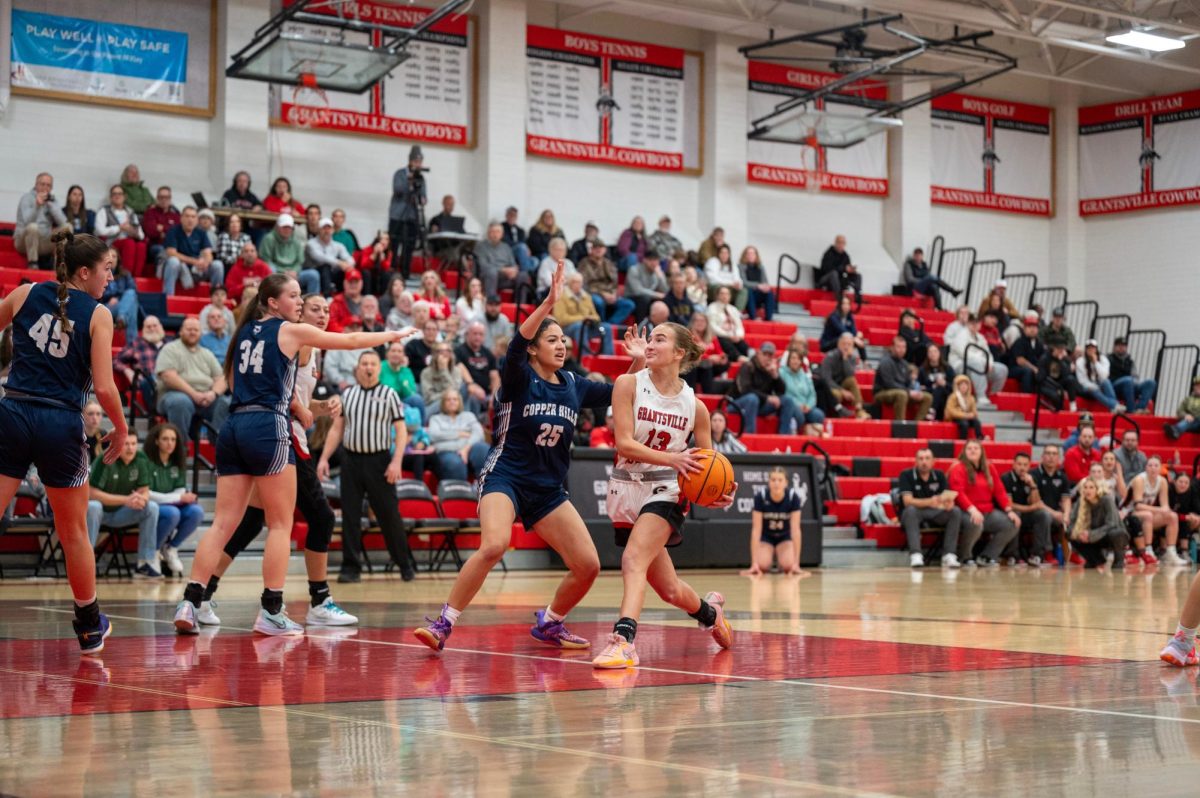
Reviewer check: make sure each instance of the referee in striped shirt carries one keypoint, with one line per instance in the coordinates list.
(371, 414)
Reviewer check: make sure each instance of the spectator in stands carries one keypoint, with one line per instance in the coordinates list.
(600, 279)
(231, 241)
(1096, 525)
(980, 494)
(697, 287)
(662, 242)
(936, 378)
(758, 390)
(139, 358)
(419, 350)
(726, 324)
(121, 297)
(216, 304)
(1034, 518)
(723, 440)
(340, 365)
(1185, 503)
(514, 236)
(838, 323)
(441, 374)
(404, 210)
(373, 260)
(190, 381)
(989, 327)
(722, 272)
(1091, 371)
(604, 437)
(1134, 393)
(1057, 332)
(894, 384)
(969, 354)
(1131, 458)
(574, 310)
(206, 220)
(137, 195)
(759, 293)
(837, 273)
(582, 247)
(239, 195)
(217, 336)
(646, 283)
(38, 217)
(542, 233)
(1114, 479)
(342, 234)
(446, 222)
(479, 363)
(119, 496)
(312, 222)
(396, 297)
(93, 429)
(469, 307)
(927, 501)
(496, 324)
(284, 252)
(80, 218)
(679, 304)
(631, 245)
(247, 270)
(120, 227)
(1057, 378)
(839, 367)
(713, 362)
(327, 257)
(347, 304)
(495, 262)
(281, 201)
(1188, 414)
(912, 330)
(710, 245)
(961, 408)
(549, 264)
(799, 387)
(1152, 509)
(189, 258)
(1054, 488)
(1079, 458)
(157, 221)
(1025, 354)
(457, 439)
(433, 292)
(179, 513)
(395, 374)
(920, 278)
(997, 299)
(956, 327)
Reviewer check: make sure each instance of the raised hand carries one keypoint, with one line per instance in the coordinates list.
(635, 345)
(556, 284)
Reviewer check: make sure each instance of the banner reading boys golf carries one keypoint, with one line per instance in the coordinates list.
(98, 59)
(606, 100)
(992, 154)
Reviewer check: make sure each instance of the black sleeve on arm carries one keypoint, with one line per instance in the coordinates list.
(515, 360)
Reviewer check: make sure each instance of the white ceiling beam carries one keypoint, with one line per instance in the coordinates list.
(1124, 55)
(1135, 19)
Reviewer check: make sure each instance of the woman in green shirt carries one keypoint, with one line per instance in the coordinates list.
(179, 514)
(396, 375)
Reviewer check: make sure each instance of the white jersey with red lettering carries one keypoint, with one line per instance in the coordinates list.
(306, 381)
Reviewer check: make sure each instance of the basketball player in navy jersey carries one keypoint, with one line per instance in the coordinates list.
(523, 478)
(310, 496)
(254, 449)
(775, 527)
(655, 412)
(62, 341)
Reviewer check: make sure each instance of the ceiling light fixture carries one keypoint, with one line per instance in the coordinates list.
(1145, 40)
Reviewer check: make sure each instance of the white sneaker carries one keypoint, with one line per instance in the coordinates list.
(1171, 557)
(328, 613)
(916, 560)
(173, 562)
(1074, 406)
(278, 624)
(185, 618)
(207, 615)
(950, 560)
(1034, 562)
(1120, 408)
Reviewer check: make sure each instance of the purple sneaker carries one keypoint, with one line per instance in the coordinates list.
(435, 634)
(553, 633)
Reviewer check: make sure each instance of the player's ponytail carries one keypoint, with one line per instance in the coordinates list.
(72, 253)
(684, 340)
(271, 287)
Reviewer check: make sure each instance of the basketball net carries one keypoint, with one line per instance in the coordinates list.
(310, 100)
(812, 177)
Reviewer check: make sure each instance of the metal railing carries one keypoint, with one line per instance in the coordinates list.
(1145, 347)
(786, 259)
(1049, 297)
(1079, 316)
(1177, 366)
(981, 279)
(1021, 288)
(954, 267)
(1112, 428)
(1107, 328)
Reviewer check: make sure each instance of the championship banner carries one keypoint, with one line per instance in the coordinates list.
(98, 59)
(605, 100)
(427, 98)
(858, 169)
(993, 154)
(1139, 154)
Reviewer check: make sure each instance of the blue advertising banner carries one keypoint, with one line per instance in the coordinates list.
(101, 59)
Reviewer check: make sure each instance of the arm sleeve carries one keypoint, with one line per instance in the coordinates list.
(515, 360)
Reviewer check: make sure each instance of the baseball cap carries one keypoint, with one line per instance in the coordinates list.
(1002, 284)
(325, 222)
(592, 225)
(1120, 341)
(664, 218)
(285, 220)
(596, 242)
(1059, 312)
(1031, 317)
(207, 212)
(1091, 342)
(354, 274)
(492, 299)
(354, 320)
(767, 348)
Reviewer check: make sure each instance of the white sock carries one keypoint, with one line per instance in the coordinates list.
(450, 614)
(1189, 635)
(79, 603)
(553, 616)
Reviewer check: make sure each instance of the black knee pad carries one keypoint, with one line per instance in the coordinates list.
(248, 529)
(320, 529)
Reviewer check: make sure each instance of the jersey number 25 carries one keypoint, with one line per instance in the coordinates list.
(549, 435)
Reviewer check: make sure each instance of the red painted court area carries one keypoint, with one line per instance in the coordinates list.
(233, 668)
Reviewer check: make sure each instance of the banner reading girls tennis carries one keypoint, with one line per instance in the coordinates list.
(993, 154)
(98, 59)
(606, 100)
(858, 169)
(1139, 154)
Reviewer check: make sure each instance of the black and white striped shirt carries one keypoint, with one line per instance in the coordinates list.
(370, 414)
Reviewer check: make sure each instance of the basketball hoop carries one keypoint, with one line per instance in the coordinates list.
(309, 101)
(812, 177)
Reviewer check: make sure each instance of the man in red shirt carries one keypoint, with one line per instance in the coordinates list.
(348, 303)
(1079, 458)
(156, 221)
(247, 270)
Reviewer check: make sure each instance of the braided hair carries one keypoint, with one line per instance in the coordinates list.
(72, 252)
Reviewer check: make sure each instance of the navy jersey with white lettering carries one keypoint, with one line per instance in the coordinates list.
(776, 514)
(535, 421)
(49, 363)
(262, 376)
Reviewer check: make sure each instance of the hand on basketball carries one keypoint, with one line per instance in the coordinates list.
(726, 500)
(685, 462)
(113, 442)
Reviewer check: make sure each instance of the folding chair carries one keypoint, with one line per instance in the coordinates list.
(421, 516)
(458, 500)
(117, 544)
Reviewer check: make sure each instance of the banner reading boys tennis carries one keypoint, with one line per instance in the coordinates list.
(992, 154)
(1139, 154)
(98, 59)
(858, 169)
(605, 100)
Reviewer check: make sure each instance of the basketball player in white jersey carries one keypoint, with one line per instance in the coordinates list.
(655, 413)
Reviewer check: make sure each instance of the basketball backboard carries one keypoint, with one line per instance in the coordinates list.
(828, 129)
(335, 65)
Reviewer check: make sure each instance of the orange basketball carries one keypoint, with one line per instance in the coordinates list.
(711, 482)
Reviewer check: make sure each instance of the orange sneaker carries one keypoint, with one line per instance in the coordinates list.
(722, 632)
(1178, 653)
(619, 653)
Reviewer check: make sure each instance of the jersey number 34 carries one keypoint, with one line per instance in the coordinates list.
(251, 358)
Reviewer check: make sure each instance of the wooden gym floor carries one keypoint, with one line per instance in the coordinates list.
(1007, 682)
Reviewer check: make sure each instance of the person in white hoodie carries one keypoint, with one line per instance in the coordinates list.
(987, 375)
(1091, 370)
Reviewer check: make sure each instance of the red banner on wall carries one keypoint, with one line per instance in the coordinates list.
(592, 98)
(1139, 154)
(993, 154)
(860, 169)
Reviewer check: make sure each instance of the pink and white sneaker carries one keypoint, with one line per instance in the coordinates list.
(1179, 652)
(722, 632)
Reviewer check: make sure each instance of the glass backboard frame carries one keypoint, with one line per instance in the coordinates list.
(335, 65)
(834, 130)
